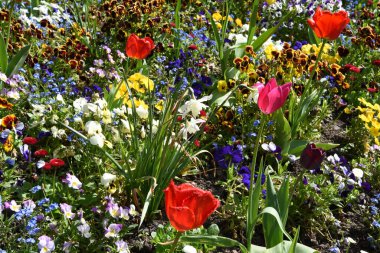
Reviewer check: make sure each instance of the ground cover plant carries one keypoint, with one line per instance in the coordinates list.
(189, 126)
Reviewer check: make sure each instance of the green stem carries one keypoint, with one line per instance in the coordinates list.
(8, 38)
(253, 165)
(175, 242)
(314, 69)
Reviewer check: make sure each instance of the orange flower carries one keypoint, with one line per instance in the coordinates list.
(327, 25)
(9, 121)
(139, 48)
(188, 207)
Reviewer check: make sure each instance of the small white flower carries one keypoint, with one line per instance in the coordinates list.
(14, 207)
(358, 173)
(79, 104)
(189, 249)
(126, 127)
(60, 99)
(84, 229)
(98, 140)
(142, 112)
(194, 106)
(93, 127)
(107, 178)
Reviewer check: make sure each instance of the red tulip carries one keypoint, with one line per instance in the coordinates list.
(139, 48)
(272, 96)
(327, 25)
(376, 62)
(30, 140)
(188, 207)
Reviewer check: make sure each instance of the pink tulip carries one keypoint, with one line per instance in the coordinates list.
(272, 96)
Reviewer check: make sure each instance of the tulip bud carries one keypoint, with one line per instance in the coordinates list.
(311, 157)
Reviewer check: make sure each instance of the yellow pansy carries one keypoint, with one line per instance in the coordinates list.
(222, 86)
(268, 51)
(140, 83)
(367, 116)
(238, 22)
(8, 144)
(219, 25)
(216, 16)
(160, 105)
(137, 103)
(270, 2)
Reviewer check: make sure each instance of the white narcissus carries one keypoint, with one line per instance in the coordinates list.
(107, 178)
(194, 106)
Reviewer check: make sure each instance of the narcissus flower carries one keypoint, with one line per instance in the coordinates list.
(137, 48)
(188, 207)
(272, 97)
(327, 25)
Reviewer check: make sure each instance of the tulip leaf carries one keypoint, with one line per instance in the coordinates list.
(221, 99)
(271, 219)
(312, 37)
(326, 146)
(283, 131)
(284, 200)
(297, 146)
(17, 61)
(253, 205)
(213, 240)
(285, 246)
(292, 248)
(3, 55)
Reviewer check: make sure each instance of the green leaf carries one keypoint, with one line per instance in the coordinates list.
(284, 200)
(274, 213)
(292, 248)
(283, 131)
(213, 240)
(312, 37)
(283, 247)
(326, 146)
(147, 200)
(253, 204)
(3, 55)
(17, 61)
(272, 230)
(222, 99)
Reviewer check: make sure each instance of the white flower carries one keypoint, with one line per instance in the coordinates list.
(98, 140)
(126, 127)
(194, 106)
(14, 207)
(358, 173)
(79, 104)
(3, 77)
(132, 210)
(142, 112)
(189, 249)
(60, 99)
(191, 127)
(93, 127)
(84, 229)
(107, 178)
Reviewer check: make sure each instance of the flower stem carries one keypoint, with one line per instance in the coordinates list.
(307, 87)
(251, 188)
(175, 242)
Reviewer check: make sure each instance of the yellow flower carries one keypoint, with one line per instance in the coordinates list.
(238, 22)
(137, 103)
(268, 51)
(347, 110)
(218, 25)
(367, 116)
(140, 83)
(216, 16)
(122, 92)
(306, 49)
(270, 2)
(222, 86)
(8, 145)
(160, 105)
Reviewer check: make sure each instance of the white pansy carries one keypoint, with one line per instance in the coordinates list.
(126, 127)
(14, 207)
(358, 173)
(98, 140)
(142, 112)
(59, 98)
(79, 104)
(93, 127)
(107, 178)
